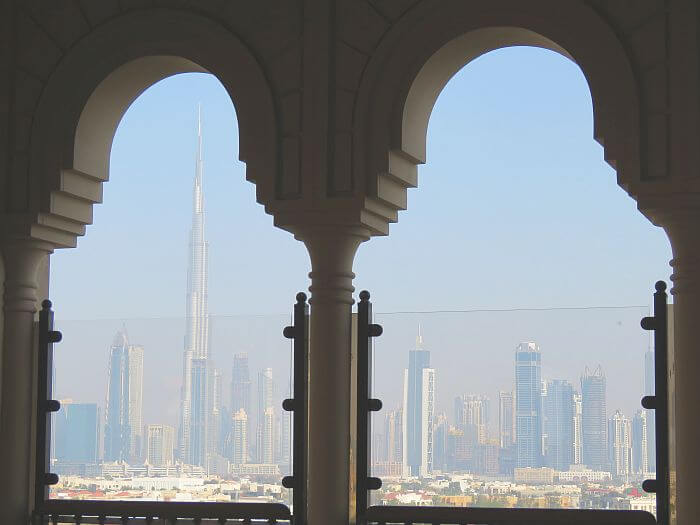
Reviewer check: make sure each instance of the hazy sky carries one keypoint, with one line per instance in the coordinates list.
(515, 209)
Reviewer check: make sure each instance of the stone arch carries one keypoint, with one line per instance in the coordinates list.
(95, 83)
(433, 42)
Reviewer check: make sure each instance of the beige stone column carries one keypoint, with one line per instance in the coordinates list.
(332, 251)
(23, 259)
(679, 215)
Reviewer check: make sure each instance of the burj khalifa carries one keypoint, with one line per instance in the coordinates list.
(194, 409)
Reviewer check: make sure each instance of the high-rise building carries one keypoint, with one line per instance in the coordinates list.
(506, 419)
(124, 401)
(649, 390)
(136, 402)
(238, 446)
(487, 458)
(594, 420)
(193, 430)
(559, 424)
(117, 433)
(528, 405)
(419, 388)
(161, 444)
(620, 445)
(267, 442)
(266, 421)
(577, 456)
(640, 442)
(393, 432)
(77, 431)
(285, 426)
(240, 384)
(214, 412)
(440, 429)
(199, 412)
(472, 416)
(405, 470)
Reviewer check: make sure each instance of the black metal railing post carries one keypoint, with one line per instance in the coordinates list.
(366, 404)
(659, 403)
(45, 406)
(298, 332)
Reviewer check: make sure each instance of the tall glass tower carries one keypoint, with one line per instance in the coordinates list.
(124, 401)
(594, 420)
(194, 411)
(559, 424)
(419, 410)
(266, 427)
(77, 431)
(528, 405)
(506, 419)
(240, 384)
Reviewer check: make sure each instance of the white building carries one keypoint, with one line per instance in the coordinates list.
(161, 442)
(239, 438)
(580, 473)
(620, 444)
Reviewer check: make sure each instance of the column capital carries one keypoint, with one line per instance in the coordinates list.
(332, 251)
(23, 258)
(679, 215)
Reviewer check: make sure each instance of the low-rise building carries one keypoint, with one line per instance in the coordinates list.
(534, 476)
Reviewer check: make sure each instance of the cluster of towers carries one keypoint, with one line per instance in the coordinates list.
(557, 426)
(541, 423)
(209, 433)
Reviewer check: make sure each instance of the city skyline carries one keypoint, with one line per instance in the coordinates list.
(625, 445)
(557, 427)
(276, 350)
(261, 338)
(146, 290)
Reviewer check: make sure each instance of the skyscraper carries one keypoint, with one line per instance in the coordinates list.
(559, 424)
(240, 383)
(199, 405)
(192, 434)
(136, 402)
(393, 432)
(506, 419)
(77, 430)
(419, 390)
(161, 442)
(472, 417)
(620, 444)
(441, 426)
(578, 433)
(266, 409)
(594, 419)
(405, 470)
(528, 405)
(285, 433)
(267, 441)
(640, 442)
(124, 401)
(238, 445)
(214, 411)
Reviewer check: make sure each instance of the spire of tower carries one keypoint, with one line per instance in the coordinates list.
(419, 338)
(200, 159)
(199, 131)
